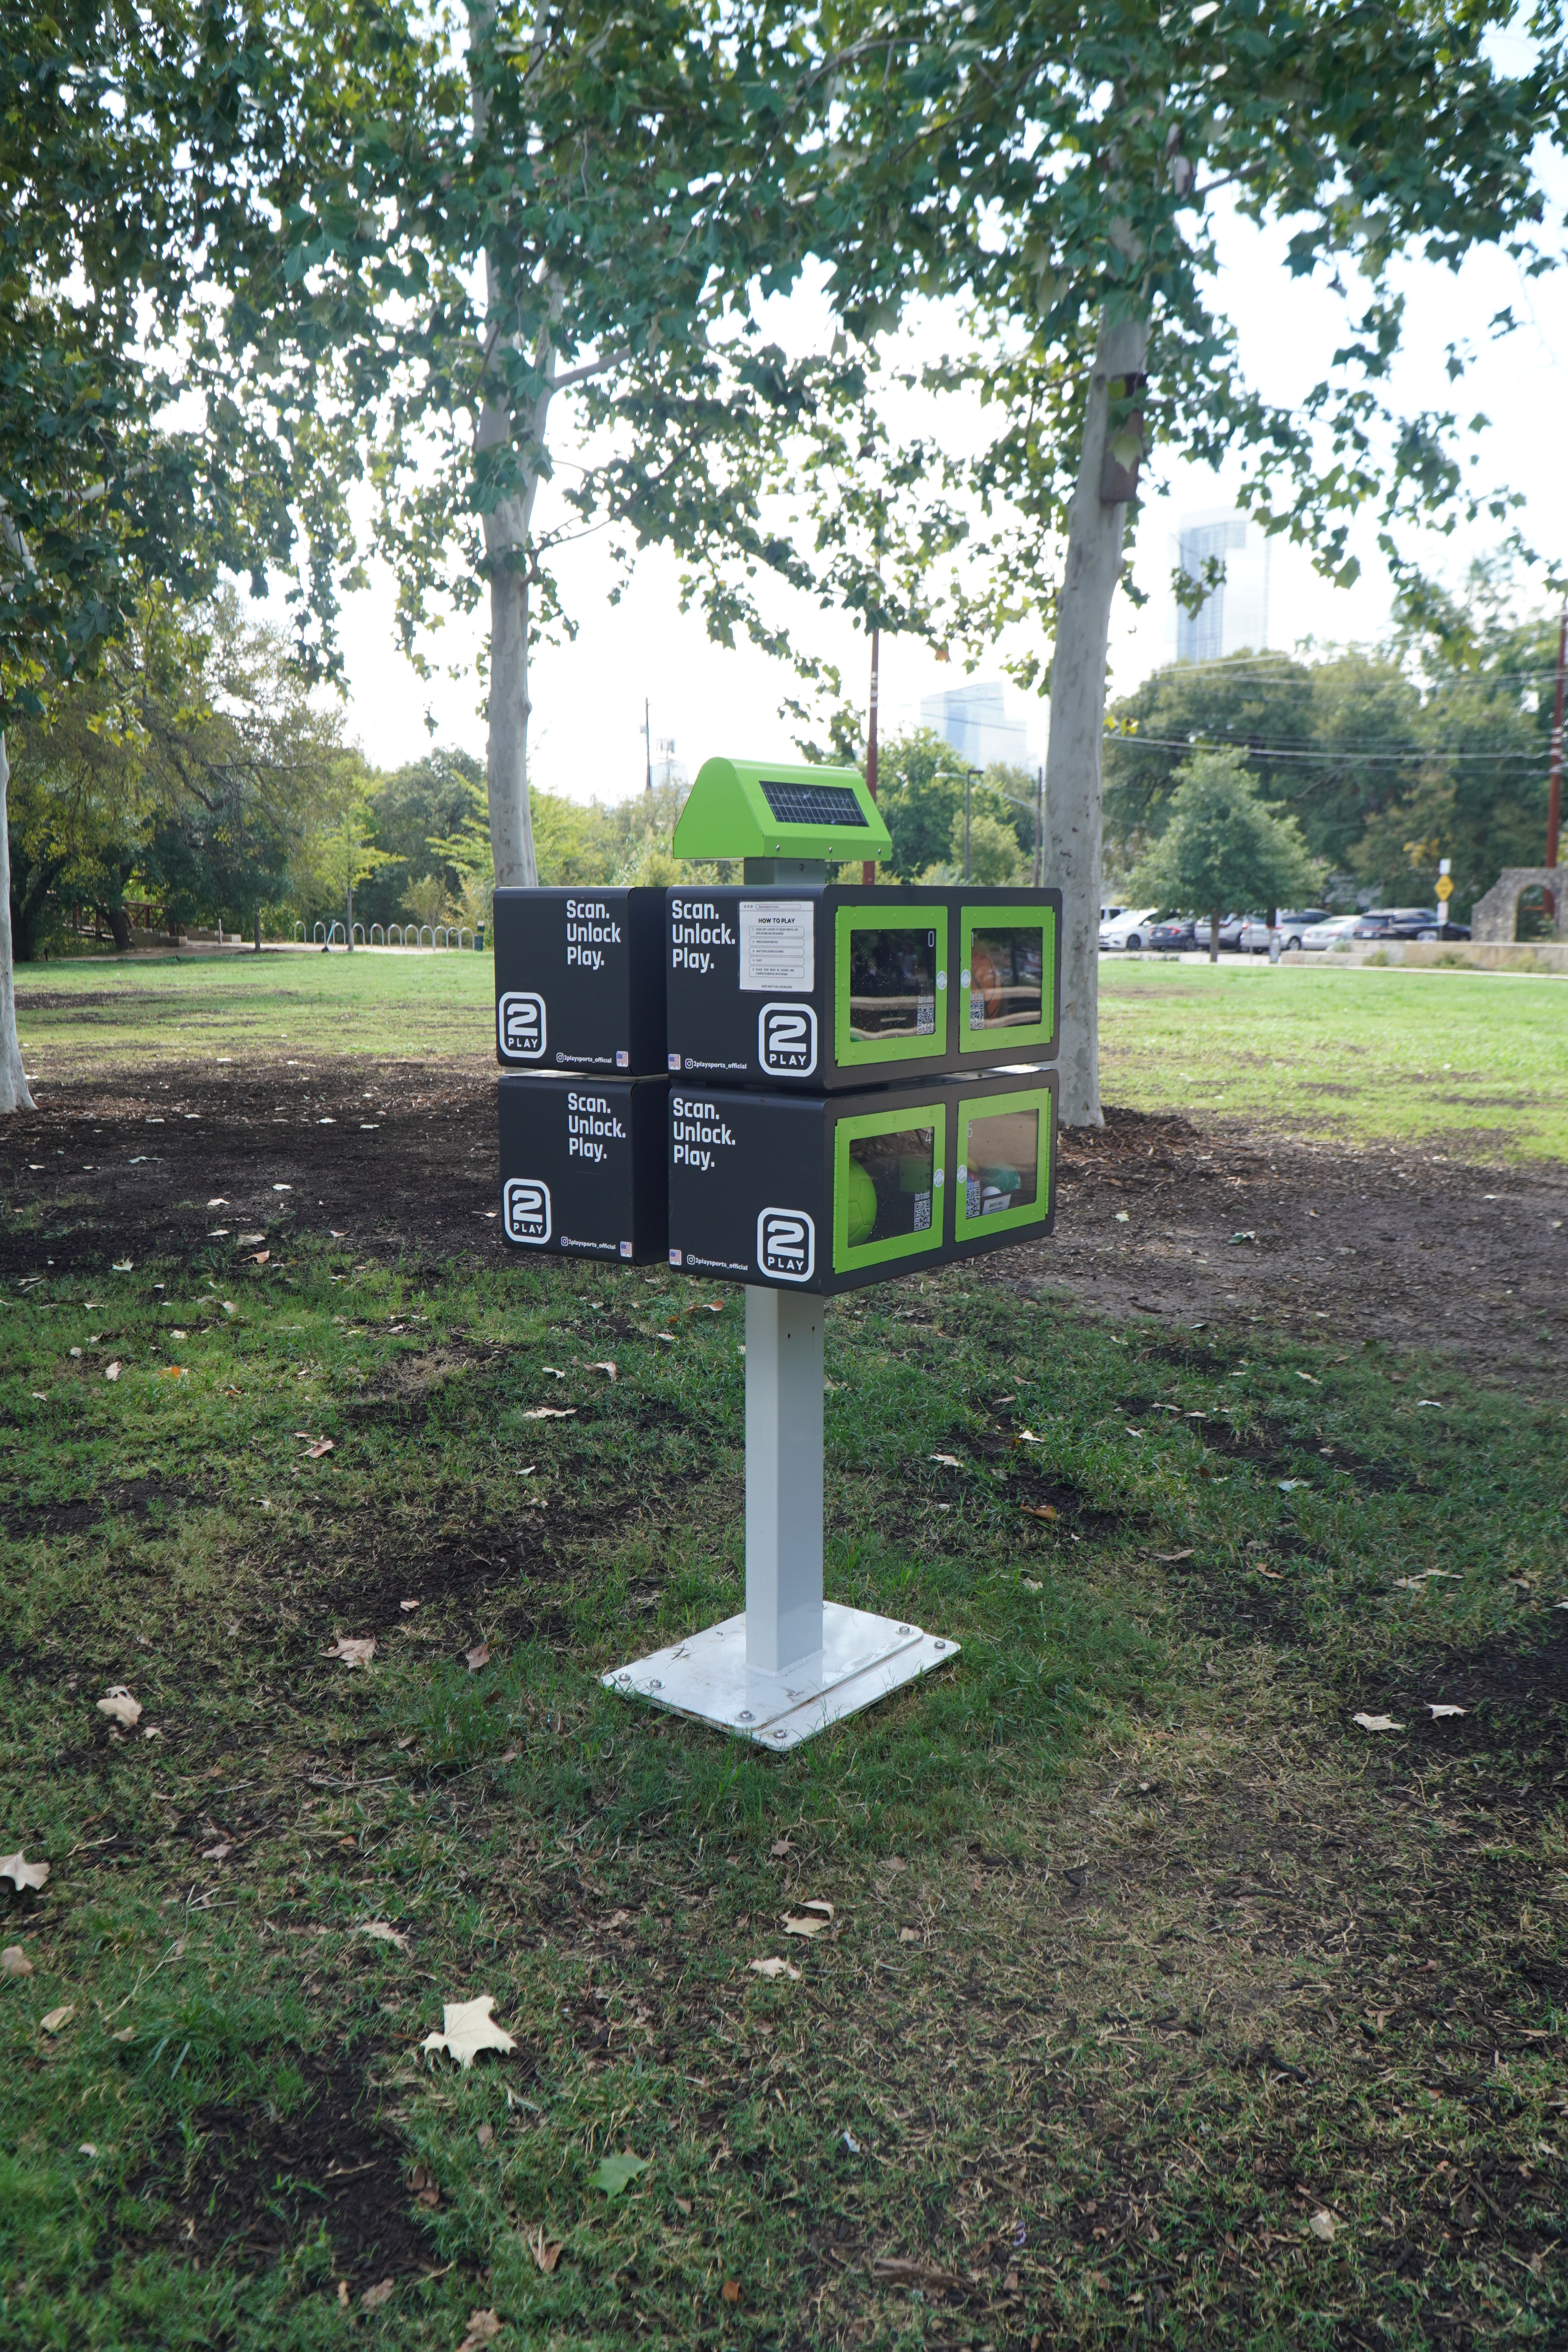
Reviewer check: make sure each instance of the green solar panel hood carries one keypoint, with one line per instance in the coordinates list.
(750, 808)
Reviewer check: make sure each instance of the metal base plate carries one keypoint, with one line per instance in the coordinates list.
(862, 1658)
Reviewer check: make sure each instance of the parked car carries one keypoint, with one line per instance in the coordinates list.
(1395, 923)
(1174, 932)
(1293, 923)
(1445, 931)
(1130, 928)
(1230, 929)
(1328, 934)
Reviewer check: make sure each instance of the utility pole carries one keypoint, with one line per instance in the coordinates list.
(1555, 796)
(868, 867)
(969, 776)
(647, 739)
(1039, 824)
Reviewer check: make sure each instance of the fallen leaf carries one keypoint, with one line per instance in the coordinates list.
(1310, 1376)
(486, 2134)
(1288, 1485)
(479, 1655)
(88, 2147)
(118, 1702)
(1030, 1585)
(948, 1461)
(683, 2205)
(1171, 1556)
(122, 1265)
(467, 2028)
(1028, 1437)
(667, 1338)
(898, 2270)
(731, 2290)
(605, 1367)
(260, 1258)
(781, 1846)
(1377, 1723)
(773, 1968)
(56, 2018)
(549, 1412)
(218, 1852)
(375, 2296)
(546, 2252)
(426, 2190)
(353, 1649)
(383, 1933)
(322, 1446)
(112, 1372)
(1436, 1712)
(406, 1605)
(14, 1962)
(615, 2173)
(1324, 2225)
(1122, 1218)
(1247, 1236)
(1040, 1510)
(484, 2326)
(909, 1936)
(798, 1926)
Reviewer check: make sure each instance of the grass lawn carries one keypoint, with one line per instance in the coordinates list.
(96, 1013)
(1479, 1061)
(1160, 2001)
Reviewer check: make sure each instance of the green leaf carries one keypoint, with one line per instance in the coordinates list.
(615, 2173)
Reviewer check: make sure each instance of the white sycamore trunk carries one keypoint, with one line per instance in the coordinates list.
(1072, 846)
(14, 1094)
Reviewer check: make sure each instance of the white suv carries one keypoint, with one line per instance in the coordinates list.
(1129, 927)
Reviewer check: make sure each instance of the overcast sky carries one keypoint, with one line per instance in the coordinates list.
(589, 695)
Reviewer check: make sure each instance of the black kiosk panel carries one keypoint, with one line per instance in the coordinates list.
(583, 1166)
(580, 981)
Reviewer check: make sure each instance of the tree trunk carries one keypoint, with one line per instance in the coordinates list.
(1213, 939)
(1078, 723)
(14, 1095)
(119, 923)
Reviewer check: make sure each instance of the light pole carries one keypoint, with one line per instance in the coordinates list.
(969, 776)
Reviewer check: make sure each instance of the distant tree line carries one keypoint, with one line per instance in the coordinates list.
(1436, 745)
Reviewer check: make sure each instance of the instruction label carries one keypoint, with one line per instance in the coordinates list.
(778, 946)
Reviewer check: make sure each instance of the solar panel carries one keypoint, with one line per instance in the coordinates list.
(813, 803)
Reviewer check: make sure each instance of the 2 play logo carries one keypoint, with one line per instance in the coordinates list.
(519, 1024)
(787, 1245)
(787, 1040)
(525, 1211)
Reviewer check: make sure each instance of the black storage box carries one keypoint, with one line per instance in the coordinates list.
(822, 987)
(580, 981)
(582, 1166)
(827, 1192)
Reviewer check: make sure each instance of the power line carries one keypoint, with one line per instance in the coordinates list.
(1290, 751)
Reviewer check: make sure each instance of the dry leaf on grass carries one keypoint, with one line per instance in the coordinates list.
(896, 2270)
(466, 2028)
(322, 1446)
(383, 1933)
(14, 1962)
(949, 1461)
(780, 1847)
(1039, 1511)
(1377, 1723)
(812, 1920)
(549, 1412)
(260, 1259)
(118, 1703)
(426, 2190)
(773, 1968)
(219, 1853)
(1170, 1558)
(375, 2296)
(1324, 2225)
(1423, 1575)
(479, 1655)
(56, 2018)
(731, 2290)
(546, 2252)
(353, 1649)
(484, 2326)
(1437, 1712)
(605, 1367)
(112, 1372)
(909, 1936)
(406, 1605)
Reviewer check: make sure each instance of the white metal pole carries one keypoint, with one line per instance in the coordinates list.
(784, 1478)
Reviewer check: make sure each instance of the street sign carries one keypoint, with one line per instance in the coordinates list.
(1444, 888)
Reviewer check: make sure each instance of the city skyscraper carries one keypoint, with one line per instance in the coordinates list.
(1233, 617)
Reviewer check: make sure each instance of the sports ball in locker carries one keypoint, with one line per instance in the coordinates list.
(861, 1203)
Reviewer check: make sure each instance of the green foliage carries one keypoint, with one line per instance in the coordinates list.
(920, 797)
(1435, 746)
(1222, 846)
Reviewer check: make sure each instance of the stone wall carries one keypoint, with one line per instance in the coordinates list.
(1493, 917)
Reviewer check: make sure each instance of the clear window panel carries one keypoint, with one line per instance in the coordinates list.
(893, 983)
(1002, 1159)
(1005, 970)
(890, 1185)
